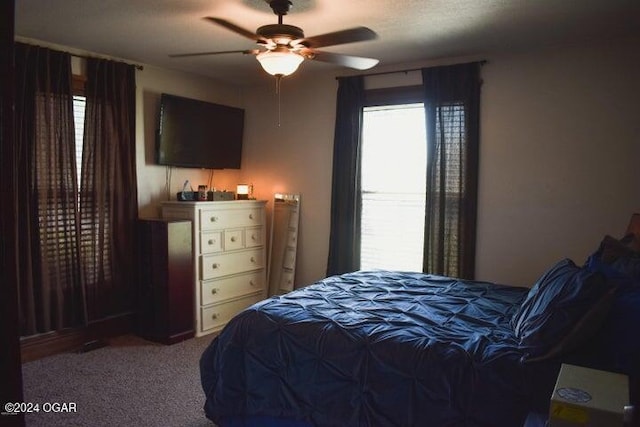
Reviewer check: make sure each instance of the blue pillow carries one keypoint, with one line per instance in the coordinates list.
(620, 255)
(612, 249)
(628, 266)
(615, 347)
(563, 309)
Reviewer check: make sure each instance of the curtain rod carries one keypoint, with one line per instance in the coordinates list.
(138, 66)
(482, 62)
(77, 55)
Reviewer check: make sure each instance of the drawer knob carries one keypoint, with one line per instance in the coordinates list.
(253, 237)
(251, 283)
(213, 219)
(214, 291)
(252, 259)
(251, 216)
(215, 265)
(233, 238)
(214, 316)
(212, 241)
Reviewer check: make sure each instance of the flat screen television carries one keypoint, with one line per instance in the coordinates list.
(198, 134)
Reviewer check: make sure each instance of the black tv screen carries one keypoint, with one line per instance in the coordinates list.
(198, 134)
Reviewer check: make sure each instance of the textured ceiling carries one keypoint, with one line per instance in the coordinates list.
(147, 31)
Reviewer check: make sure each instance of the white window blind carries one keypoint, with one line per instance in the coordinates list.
(79, 105)
(393, 174)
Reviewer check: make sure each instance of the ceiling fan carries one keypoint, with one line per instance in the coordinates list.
(282, 48)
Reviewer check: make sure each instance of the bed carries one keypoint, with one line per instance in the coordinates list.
(389, 348)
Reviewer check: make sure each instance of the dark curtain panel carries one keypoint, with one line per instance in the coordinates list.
(344, 241)
(50, 285)
(10, 357)
(108, 200)
(452, 104)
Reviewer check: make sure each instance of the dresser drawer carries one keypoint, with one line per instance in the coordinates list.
(231, 287)
(211, 219)
(253, 237)
(210, 241)
(218, 315)
(224, 264)
(233, 239)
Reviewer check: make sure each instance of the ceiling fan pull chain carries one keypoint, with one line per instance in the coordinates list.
(278, 79)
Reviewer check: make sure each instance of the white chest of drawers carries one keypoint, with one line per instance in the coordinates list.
(229, 246)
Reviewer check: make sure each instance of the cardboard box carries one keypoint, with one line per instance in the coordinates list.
(588, 397)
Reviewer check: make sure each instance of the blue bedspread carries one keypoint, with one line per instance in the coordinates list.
(377, 349)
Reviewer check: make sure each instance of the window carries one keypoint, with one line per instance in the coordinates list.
(79, 106)
(393, 180)
(90, 236)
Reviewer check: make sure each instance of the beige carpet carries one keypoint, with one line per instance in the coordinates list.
(131, 382)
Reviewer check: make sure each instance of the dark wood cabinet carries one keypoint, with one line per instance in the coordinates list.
(165, 299)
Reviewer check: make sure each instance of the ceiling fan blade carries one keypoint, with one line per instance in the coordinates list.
(246, 52)
(238, 30)
(357, 62)
(357, 34)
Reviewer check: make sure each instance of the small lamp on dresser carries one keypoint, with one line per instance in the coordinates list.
(242, 192)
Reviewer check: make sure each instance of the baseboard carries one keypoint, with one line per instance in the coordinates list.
(75, 339)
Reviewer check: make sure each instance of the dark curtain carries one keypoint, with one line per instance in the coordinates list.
(108, 200)
(51, 291)
(452, 103)
(344, 241)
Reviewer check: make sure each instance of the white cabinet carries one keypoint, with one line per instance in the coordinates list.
(230, 257)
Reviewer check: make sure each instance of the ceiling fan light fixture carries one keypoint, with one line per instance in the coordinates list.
(280, 61)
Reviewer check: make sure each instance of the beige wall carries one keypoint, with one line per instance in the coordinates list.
(295, 157)
(560, 141)
(560, 144)
(560, 149)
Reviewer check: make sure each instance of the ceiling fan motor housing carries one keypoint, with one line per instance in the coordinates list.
(280, 7)
(280, 32)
